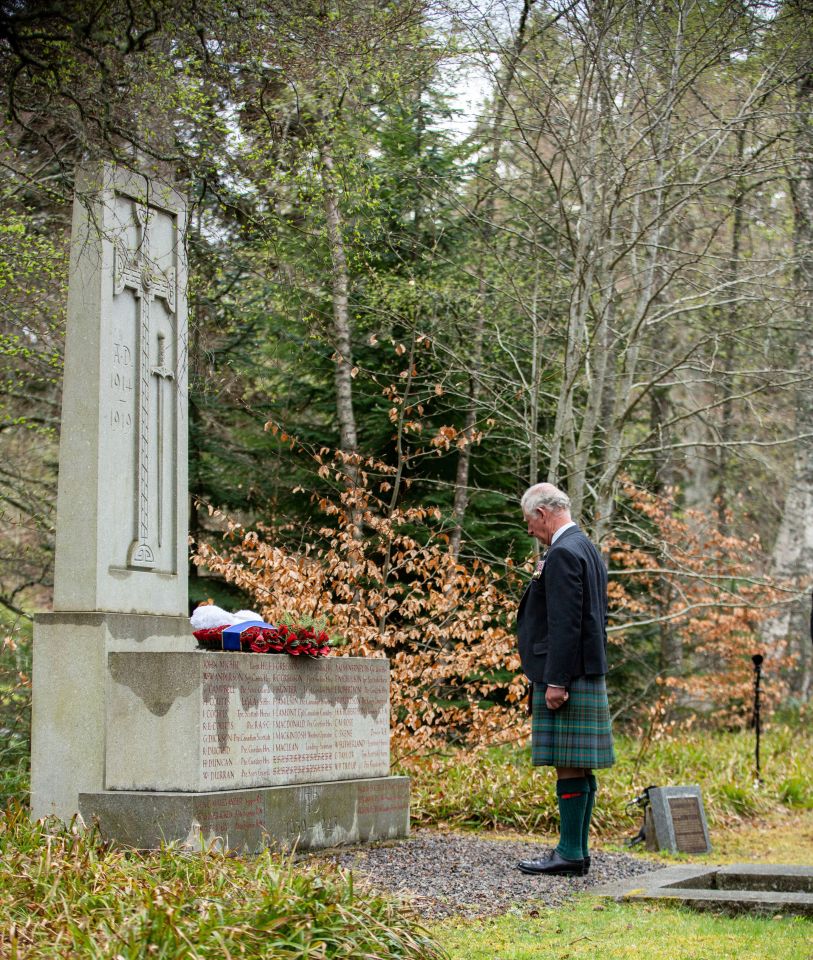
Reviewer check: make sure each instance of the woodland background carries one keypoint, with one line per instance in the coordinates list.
(440, 251)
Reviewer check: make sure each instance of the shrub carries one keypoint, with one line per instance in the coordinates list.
(15, 714)
(384, 578)
(446, 626)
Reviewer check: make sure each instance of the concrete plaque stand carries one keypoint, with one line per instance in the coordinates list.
(677, 820)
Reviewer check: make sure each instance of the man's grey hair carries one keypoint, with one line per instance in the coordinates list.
(544, 495)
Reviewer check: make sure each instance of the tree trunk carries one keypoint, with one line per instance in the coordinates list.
(793, 551)
(625, 398)
(537, 367)
(461, 489)
(730, 349)
(461, 484)
(342, 331)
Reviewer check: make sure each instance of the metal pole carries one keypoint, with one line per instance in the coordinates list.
(757, 659)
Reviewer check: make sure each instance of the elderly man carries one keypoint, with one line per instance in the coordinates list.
(562, 632)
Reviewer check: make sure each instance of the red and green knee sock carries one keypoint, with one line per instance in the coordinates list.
(574, 795)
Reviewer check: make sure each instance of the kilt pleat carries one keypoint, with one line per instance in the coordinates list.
(579, 733)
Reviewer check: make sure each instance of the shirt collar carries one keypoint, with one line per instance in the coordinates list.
(561, 530)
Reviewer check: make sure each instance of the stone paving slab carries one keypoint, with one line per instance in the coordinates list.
(753, 876)
(740, 888)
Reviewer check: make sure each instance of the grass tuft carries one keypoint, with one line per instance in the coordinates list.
(498, 788)
(797, 791)
(14, 767)
(63, 892)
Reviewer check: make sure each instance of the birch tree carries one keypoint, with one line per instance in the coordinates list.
(646, 127)
(793, 550)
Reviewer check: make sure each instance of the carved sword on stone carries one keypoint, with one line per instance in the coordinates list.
(134, 269)
(161, 372)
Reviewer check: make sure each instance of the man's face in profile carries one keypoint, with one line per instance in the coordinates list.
(538, 525)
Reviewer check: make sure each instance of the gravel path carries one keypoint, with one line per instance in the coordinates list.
(446, 874)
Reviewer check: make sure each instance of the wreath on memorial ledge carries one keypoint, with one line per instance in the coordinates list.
(309, 639)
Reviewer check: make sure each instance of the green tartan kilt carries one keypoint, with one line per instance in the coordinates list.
(579, 734)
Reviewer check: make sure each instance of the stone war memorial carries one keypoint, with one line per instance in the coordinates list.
(133, 727)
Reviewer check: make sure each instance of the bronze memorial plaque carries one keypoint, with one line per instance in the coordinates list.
(687, 821)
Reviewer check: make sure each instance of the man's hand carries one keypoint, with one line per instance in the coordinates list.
(555, 697)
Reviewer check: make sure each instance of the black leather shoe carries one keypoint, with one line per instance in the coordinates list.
(554, 865)
(585, 866)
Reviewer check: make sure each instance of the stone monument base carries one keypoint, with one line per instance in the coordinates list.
(305, 816)
(69, 714)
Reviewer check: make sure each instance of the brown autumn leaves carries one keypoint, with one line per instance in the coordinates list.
(388, 585)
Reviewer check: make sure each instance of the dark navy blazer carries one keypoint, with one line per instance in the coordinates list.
(562, 618)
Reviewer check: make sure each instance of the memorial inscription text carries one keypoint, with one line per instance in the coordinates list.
(264, 721)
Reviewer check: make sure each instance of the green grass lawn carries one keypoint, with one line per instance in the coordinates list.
(782, 837)
(592, 928)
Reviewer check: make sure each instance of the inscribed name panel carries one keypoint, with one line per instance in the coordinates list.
(215, 721)
(268, 720)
